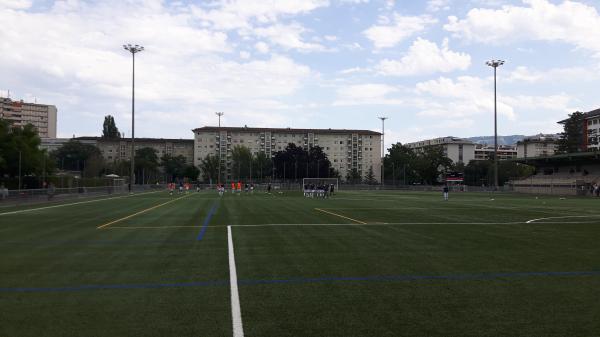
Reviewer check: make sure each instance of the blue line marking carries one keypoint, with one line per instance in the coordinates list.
(327, 279)
(207, 220)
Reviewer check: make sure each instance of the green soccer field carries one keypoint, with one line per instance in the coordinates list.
(359, 264)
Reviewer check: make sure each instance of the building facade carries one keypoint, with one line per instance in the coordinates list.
(537, 146)
(346, 149)
(120, 149)
(458, 150)
(486, 152)
(592, 129)
(41, 116)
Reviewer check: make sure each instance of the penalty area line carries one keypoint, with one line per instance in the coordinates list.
(142, 211)
(341, 216)
(236, 312)
(563, 217)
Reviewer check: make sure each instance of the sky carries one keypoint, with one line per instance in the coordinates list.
(305, 64)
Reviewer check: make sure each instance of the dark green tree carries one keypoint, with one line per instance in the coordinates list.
(430, 163)
(209, 167)
(74, 154)
(370, 177)
(173, 166)
(296, 163)
(146, 164)
(25, 141)
(399, 164)
(109, 128)
(353, 177)
(573, 139)
(262, 166)
(191, 172)
(241, 158)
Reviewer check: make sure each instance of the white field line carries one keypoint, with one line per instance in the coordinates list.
(74, 203)
(563, 217)
(379, 224)
(236, 312)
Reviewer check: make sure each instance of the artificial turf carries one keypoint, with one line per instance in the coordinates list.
(358, 264)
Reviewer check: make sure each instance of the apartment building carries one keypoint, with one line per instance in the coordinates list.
(537, 146)
(459, 150)
(486, 152)
(592, 129)
(120, 149)
(346, 149)
(41, 116)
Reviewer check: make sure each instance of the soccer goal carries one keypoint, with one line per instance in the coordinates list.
(307, 182)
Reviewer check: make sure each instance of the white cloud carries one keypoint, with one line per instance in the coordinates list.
(15, 4)
(288, 37)
(71, 56)
(244, 55)
(425, 57)
(569, 22)
(236, 14)
(574, 74)
(366, 94)
(330, 37)
(438, 5)
(403, 27)
(262, 47)
(466, 96)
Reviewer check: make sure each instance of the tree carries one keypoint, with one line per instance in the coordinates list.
(173, 166)
(370, 177)
(431, 163)
(262, 166)
(191, 172)
(297, 163)
(480, 172)
(74, 154)
(399, 164)
(241, 158)
(24, 142)
(109, 128)
(209, 167)
(146, 164)
(353, 177)
(572, 139)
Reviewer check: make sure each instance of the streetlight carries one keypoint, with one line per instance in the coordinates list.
(495, 64)
(219, 114)
(382, 145)
(133, 49)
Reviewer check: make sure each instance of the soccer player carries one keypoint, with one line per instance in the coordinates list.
(445, 192)
(239, 187)
(232, 188)
(269, 188)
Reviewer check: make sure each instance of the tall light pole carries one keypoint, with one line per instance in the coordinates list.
(382, 145)
(219, 114)
(495, 64)
(133, 49)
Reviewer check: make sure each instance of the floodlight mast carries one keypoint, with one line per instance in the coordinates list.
(382, 146)
(133, 49)
(495, 64)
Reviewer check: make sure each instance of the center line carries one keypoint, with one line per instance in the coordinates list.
(236, 312)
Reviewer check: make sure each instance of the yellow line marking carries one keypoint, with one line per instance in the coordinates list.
(148, 227)
(140, 212)
(341, 216)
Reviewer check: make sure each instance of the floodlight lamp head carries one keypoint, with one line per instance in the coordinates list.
(495, 63)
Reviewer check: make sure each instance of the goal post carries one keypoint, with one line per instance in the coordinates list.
(321, 182)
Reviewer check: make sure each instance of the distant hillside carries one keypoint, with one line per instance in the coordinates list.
(502, 140)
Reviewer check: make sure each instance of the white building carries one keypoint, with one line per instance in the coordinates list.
(486, 152)
(459, 150)
(592, 129)
(346, 149)
(41, 116)
(537, 146)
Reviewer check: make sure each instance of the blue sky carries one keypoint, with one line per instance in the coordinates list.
(305, 63)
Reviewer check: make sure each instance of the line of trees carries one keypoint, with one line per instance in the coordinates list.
(402, 165)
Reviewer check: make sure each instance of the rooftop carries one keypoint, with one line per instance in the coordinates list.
(147, 140)
(286, 130)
